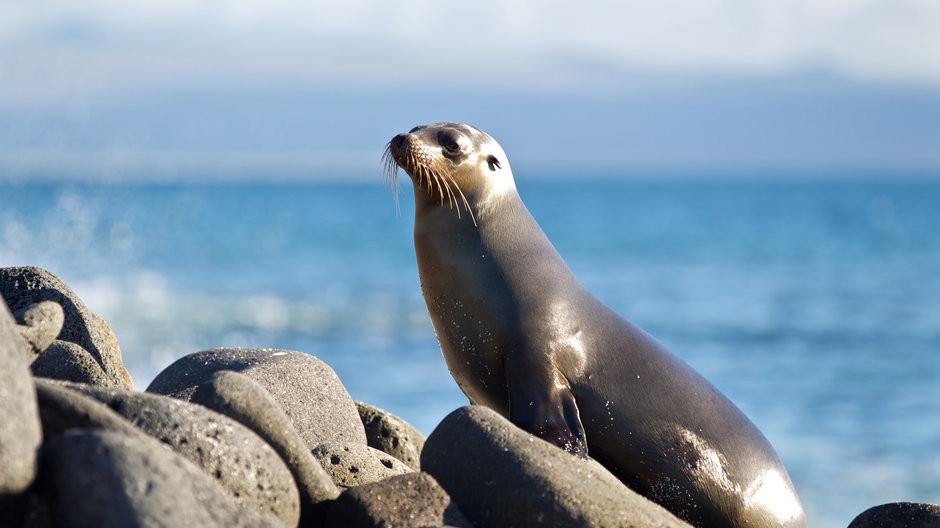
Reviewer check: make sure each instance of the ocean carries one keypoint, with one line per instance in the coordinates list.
(813, 305)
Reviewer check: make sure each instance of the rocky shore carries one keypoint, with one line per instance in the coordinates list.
(263, 437)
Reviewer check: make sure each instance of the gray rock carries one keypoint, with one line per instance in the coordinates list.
(406, 501)
(899, 515)
(37, 511)
(245, 401)
(351, 465)
(24, 286)
(100, 479)
(20, 430)
(236, 457)
(42, 323)
(62, 409)
(389, 433)
(501, 475)
(110, 343)
(69, 362)
(307, 389)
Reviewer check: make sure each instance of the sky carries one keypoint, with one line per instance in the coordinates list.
(167, 89)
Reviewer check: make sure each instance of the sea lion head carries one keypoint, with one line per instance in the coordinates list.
(450, 164)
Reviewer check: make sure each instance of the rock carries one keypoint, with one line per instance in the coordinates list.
(501, 475)
(236, 457)
(389, 433)
(62, 409)
(351, 465)
(899, 515)
(245, 401)
(100, 479)
(307, 389)
(69, 362)
(406, 501)
(20, 430)
(42, 323)
(24, 286)
(37, 511)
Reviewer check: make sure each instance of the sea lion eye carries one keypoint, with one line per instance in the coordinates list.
(449, 143)
(493, 163)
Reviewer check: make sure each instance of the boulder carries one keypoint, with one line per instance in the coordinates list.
(407, 501)
(67, 361)
(101, 479)
(501, 475)
(25, 286)
(42, 323)
(389, 433)
(351, 465)
(20, 429)
(245, 401)
(899, 515)
(235, 456)
(307, 389)
(62, 410)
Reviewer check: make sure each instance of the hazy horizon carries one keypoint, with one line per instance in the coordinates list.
(237, 90)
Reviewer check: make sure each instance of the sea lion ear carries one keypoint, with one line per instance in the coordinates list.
(493, 163)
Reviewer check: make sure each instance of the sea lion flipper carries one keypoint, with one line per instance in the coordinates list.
(551, 415)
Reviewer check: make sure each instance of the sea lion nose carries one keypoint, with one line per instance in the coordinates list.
(398, 144)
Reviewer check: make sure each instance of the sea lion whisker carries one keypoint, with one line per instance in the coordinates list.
(446, 179)
(391, 174)
(440, 188)
(465, 203)
(426, 177)
(431, 179)
(450, 194)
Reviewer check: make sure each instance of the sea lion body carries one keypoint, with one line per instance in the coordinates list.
(522, 336)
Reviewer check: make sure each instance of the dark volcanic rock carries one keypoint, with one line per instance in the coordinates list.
(245, 401)
(37, 511)
(239, 459)
(502, 476)
(42, 323)
(69, 362)
(20, 430)
(351, 465)
(307, 389)
(24, 286)
(406, 501)
(62, 409)
(899, 515)
(100, 479)
(389, 433)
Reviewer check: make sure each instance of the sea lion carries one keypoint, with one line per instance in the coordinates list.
(522, 336)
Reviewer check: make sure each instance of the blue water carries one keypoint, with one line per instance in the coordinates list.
(814, 306)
